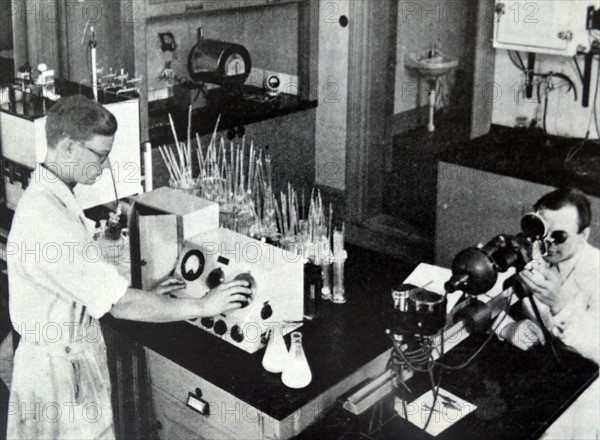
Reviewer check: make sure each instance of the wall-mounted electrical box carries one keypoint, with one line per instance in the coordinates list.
(556, 27)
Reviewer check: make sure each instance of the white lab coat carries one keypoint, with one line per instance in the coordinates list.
(577, 325)
(59, 287)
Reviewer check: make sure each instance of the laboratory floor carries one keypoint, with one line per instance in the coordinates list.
(410, 187)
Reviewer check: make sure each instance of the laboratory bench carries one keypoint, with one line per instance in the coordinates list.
(518, 395)
(32, 106)
(234, 109)
(345, 345)
(528, 154)
(485, 186)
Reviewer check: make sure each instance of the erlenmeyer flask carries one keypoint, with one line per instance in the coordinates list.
(296, 373)
(276, 354)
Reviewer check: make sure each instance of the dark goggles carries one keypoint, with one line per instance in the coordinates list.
(557, 237)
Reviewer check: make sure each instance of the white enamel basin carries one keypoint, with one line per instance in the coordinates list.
(431, 66)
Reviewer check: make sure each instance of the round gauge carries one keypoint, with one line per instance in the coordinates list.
(272, 85)
(192, 265)
(234, 65)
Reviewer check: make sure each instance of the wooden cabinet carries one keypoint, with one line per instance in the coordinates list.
(474, 206)
(228, 417)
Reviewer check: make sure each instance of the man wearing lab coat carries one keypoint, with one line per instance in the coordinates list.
(59, 286)
(565, 284)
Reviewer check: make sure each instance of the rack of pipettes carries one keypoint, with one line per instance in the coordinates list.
(240, 179)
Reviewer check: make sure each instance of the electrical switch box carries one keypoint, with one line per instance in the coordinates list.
(555, 27)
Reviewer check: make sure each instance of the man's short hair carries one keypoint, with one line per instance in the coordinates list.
(562, 197)
(79, 119)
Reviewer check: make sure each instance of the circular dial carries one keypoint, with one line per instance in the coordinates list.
(234, 65)
(192, 265)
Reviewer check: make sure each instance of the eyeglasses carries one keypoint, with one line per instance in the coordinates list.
(101, 157)
(557, 237)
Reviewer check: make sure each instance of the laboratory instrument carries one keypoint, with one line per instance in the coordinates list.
(218, 62)
(275, 276)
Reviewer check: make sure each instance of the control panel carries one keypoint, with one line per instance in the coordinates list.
(274, 275)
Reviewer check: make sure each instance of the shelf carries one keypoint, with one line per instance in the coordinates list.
(234, 112)
(166, 8)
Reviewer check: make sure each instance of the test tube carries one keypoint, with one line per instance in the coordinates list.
(326, 274)
(339, 293)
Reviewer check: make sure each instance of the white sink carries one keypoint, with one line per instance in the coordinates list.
(431, 65)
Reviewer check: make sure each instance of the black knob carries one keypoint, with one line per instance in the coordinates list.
(266, 312)
(251, 285)
(215, 278)
(207, 322)
(236, 333)
(220, 327)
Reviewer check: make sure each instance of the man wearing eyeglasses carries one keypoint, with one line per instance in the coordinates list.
(565, 285)
(59, 286)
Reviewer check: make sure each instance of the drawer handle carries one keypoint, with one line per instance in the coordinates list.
(198, 404)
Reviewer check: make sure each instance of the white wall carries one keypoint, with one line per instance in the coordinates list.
(565, 116)
(331, 127)
(449, 25)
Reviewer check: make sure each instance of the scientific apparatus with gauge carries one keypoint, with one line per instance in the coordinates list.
(218, 62)
(275, 276)
(171, 230)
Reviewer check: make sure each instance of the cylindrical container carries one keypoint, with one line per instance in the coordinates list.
(296, 373)
(313, 283)
(339, 293)
(326, 286)
(192, 187)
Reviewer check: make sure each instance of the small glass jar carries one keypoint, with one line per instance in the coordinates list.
(193, 187)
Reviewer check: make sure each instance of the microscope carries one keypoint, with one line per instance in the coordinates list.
(418, 317)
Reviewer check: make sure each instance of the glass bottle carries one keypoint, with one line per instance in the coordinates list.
(296, 373)
(276, 354)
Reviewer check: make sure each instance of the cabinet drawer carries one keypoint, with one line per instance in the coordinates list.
(178, 421)
(228, 414)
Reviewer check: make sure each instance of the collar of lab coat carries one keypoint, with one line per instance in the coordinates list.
(567, 267)
(59, 189)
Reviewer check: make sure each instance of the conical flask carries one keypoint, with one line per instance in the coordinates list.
(276, 354)
(296, 373)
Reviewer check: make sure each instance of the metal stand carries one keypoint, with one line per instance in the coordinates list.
(547, 334)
